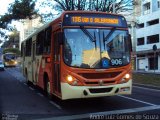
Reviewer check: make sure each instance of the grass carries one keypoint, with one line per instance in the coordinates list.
(148, 79)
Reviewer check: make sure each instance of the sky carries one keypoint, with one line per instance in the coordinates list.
(4, 5)
(4, 8)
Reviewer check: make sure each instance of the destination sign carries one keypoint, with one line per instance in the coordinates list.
(93, 19)
(79, 19)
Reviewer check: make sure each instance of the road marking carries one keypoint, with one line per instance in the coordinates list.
(31, 88)
(137, 100)
(114, 112)
(25, 84)
(56, 105)
(147, 88)
(40, 94)
(146, 85)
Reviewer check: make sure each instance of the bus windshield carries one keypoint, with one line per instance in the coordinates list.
(9, 56)
(96, 48)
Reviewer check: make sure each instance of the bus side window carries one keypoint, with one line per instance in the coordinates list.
(22, 45)
(28, 47)
(39, 43)
(47, 40)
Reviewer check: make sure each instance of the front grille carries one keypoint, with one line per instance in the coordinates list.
(100, 90)
(95, 83)
(99, 75)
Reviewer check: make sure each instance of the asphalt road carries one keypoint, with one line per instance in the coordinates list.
(18, 101)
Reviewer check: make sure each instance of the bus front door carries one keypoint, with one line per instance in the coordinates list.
(56, 71)
(34, 76)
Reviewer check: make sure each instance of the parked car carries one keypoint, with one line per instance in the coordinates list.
(1, 65)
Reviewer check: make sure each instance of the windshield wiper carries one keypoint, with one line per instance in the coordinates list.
(105, 38)
(86, 32)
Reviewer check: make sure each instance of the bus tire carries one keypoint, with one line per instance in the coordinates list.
(26, 74)
(47, 86)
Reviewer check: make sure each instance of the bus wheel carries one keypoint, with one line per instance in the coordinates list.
(47, 87)
(27, 81)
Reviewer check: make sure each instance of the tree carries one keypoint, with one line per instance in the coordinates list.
(109, 5)
(20, 9)
(12, 50)
(90, 5)
(12, 39)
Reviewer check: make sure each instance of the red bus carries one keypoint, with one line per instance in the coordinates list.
(80, 54)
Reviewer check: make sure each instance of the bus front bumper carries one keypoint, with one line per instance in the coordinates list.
(10, 64)
(71, 92)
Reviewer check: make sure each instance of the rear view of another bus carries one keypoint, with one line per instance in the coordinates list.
(10, 59)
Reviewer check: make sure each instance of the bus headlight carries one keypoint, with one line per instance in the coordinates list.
(125, 78)
(73, 81)
(69, 78)
(15, 62)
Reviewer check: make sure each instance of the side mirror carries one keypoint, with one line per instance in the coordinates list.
(130, 42)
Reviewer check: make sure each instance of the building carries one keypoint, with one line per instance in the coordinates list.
(28, 27)
(147, 36)
(131, 21)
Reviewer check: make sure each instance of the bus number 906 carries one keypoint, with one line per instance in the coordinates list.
(115, 62)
